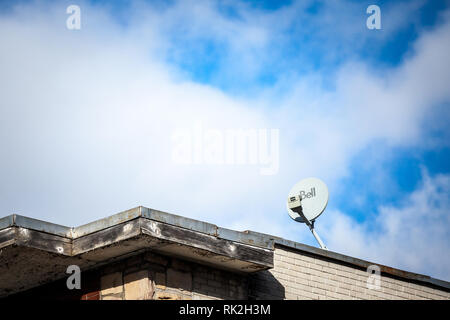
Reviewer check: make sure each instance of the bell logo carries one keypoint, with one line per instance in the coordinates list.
(304, 194)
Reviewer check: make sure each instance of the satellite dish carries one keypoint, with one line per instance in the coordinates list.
(314, 198)
(307, 200)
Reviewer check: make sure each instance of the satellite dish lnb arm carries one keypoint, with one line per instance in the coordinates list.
(296, 206)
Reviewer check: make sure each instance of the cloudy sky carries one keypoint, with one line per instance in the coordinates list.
(89, 118)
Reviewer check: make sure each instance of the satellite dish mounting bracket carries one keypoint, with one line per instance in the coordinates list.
(310, 224)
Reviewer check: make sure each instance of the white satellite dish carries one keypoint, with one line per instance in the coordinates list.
(307, 200)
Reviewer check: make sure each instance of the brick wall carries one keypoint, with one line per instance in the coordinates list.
(296, 275)
(299, 275)
(153, 276)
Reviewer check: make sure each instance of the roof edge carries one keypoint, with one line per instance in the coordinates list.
(16, 220)
(245, 237)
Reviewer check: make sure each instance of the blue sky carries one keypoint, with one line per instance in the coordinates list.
(86, 116)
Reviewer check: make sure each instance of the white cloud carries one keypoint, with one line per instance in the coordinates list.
(86, 116)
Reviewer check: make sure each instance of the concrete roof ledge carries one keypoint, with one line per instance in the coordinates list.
(53, 247)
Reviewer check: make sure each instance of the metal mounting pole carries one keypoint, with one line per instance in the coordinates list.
(313, 231)
(316, 235)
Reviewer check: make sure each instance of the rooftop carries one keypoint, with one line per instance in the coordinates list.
(38, 252)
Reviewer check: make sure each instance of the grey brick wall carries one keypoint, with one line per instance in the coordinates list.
(153, 276)
(300, 275)
(296, 275)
